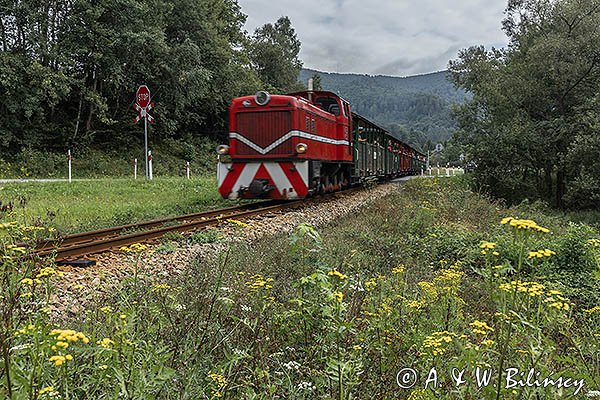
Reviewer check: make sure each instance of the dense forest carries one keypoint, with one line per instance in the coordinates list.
(533, 123)
(416, 109)
(69, 70)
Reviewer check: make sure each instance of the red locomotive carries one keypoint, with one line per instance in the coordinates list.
(293, 146)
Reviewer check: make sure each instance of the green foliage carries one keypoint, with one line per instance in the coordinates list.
(274, 53)
(69, 71)
(204, 236)
(531, 123)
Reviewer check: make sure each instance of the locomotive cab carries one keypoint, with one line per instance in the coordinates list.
(286, 146)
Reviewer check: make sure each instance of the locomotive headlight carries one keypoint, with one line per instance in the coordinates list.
(301, 148)
(222, 149)
(262, 98)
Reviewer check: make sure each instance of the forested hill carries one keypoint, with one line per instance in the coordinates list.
(414, 108)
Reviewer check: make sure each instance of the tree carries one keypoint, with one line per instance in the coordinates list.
(274, 54)
(317, 85)
(529, 99)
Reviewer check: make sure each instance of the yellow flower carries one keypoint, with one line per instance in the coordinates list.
(523, 224)
(592, 310)
(339, 296)
(338, 274)
(481, 327)
(487, 245)
(58, 360)
(106, 343)
(27, 281)
(370, 284)
(398, 270)
(47, 389)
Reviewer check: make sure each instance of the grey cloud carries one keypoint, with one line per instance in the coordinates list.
(398, 37)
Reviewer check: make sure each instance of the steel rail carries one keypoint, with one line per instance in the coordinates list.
(76, 238)
(112, 241)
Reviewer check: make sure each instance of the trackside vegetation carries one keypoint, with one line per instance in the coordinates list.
(432, 277)
(100, 203)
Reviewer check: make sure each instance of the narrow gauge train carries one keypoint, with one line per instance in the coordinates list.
(297, 145)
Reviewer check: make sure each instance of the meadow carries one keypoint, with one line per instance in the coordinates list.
(394, 302)
(97, 203)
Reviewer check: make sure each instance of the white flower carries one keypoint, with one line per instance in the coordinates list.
(246, 308)
(292, 365)
(306, 386)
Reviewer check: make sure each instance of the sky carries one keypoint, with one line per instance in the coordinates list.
(386, 37)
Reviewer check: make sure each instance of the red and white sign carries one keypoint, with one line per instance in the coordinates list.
(143, 105)
(142, 96)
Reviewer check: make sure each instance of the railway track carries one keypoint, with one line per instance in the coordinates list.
(92, 242)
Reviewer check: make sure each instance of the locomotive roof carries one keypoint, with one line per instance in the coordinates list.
(305, 93)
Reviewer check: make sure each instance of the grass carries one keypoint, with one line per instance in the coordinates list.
(336, 314)
(98, 203)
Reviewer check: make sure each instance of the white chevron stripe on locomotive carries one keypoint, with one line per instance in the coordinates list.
(290, 134)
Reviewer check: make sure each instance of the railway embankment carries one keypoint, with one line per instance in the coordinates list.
(427, 285)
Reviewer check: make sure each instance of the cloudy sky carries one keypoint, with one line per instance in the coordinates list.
(388, 37)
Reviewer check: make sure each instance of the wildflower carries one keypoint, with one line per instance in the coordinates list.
(435, 343)
(338, 274)
(103, 367)
(370, 284)
(541, 253)
(68, 335)
(523, 224)
(339, 296)
(134, 248)
(308, 386)
(47, 389)
(27, 281)
(220, 381)
(106, 309)
(487, 245)
(26, 295)
(239, 223)
(123, 316)
(258, 282)
(106, 343)
(292, 365)
(481, 327)
(416, 305)
(592, 310)
(58, 360)
(77, 287)
(488, 342)
(357, 347)
(48, 271)
(533, 289)
(398, 270)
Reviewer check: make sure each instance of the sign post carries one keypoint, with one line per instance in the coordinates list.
(142, 106)
(69, 155)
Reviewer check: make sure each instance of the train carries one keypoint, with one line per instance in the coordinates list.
(294, 146)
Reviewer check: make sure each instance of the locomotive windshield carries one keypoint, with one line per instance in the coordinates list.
(328, 104)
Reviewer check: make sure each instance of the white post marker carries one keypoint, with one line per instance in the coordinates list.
(150, 165)
(187, 169)
(69, 155)
(447, 171)
(135, 168)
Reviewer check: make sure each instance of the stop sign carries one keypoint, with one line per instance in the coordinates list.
(142, 96)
